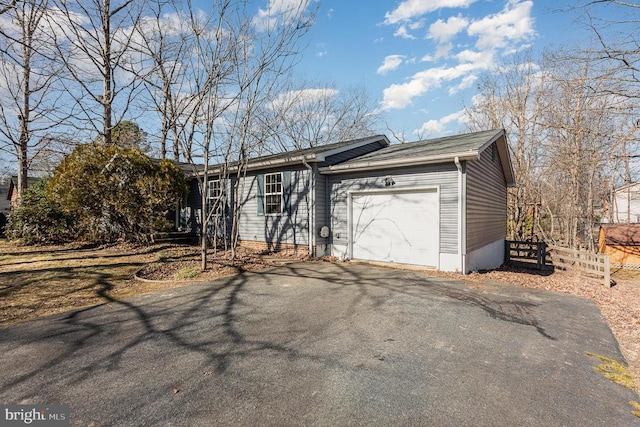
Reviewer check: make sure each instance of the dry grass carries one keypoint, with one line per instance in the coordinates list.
(38, 281)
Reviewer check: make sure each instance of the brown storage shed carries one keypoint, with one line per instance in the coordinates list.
(622, 243)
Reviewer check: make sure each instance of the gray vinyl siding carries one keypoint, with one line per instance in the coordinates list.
(322, 208)
(194, 202)
(486, 201)
(293, 228)
(351, 153)
(444, 176)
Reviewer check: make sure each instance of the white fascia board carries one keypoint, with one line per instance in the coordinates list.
(266, 164)
(491, 141)
(387, 164)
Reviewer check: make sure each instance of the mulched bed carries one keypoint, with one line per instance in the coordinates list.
(185, 265)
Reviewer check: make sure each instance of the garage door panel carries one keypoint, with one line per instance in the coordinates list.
(396, 227)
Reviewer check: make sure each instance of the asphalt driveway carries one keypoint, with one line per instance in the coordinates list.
(322, 344)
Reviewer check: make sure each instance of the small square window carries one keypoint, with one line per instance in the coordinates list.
(273, 193)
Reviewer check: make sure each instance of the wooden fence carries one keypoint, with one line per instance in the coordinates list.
(539, 254)
(526, 252)
(582, 261)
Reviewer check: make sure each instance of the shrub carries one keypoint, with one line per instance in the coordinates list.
(116, 193)
(39, 218)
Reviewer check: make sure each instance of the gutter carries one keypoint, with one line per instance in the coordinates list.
(462, 218)
(265, 164)
(311, 209)
(387, 164)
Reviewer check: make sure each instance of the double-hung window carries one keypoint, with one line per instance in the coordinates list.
(273, 193)
(215, 196)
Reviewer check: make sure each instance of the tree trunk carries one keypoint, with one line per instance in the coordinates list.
(106, 73)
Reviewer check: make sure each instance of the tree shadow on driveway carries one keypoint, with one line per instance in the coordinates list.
(293, 341)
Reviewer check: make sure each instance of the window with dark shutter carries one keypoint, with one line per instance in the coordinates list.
(273, 193)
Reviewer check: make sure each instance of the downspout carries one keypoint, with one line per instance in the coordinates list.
(311, 209)
(462, 219)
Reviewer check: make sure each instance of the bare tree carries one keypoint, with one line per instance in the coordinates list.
(312, 114)
(29, 101)
(164, 41)
(615, 47)
(93, 39)
(565, 132)
(235, 61)
(7, 6)
(581, 143)
(513, 97)
(614, 25)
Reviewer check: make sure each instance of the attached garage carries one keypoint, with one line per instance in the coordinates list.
(396, 226)
(439, 203)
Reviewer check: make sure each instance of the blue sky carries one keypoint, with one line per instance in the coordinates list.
(421, 58)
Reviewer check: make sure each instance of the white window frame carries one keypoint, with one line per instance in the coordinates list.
(273, 192)
(215, 191)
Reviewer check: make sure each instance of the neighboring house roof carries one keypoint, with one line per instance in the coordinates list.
(437, 150)
(621, 234)
(13, 183)
(5, 203)
(186, 168)
(629, 187)
(308, 155)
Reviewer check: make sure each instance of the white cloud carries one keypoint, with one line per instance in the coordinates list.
(399, 96)
(443, 31)
(390, 63)
(279, 10)
(466, 83)
(513, 24)
(302, 97)
(402, 32)
(444, 50)
(275, 7)
(412, 9)
(484, 59)
(438, 127)
(322, 50)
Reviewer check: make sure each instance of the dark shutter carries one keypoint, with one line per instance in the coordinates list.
(286, 192)
(260, 195)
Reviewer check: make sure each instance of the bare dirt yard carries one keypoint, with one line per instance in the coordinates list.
(43, 280)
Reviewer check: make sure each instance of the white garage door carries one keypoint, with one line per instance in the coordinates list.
(399, 226)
